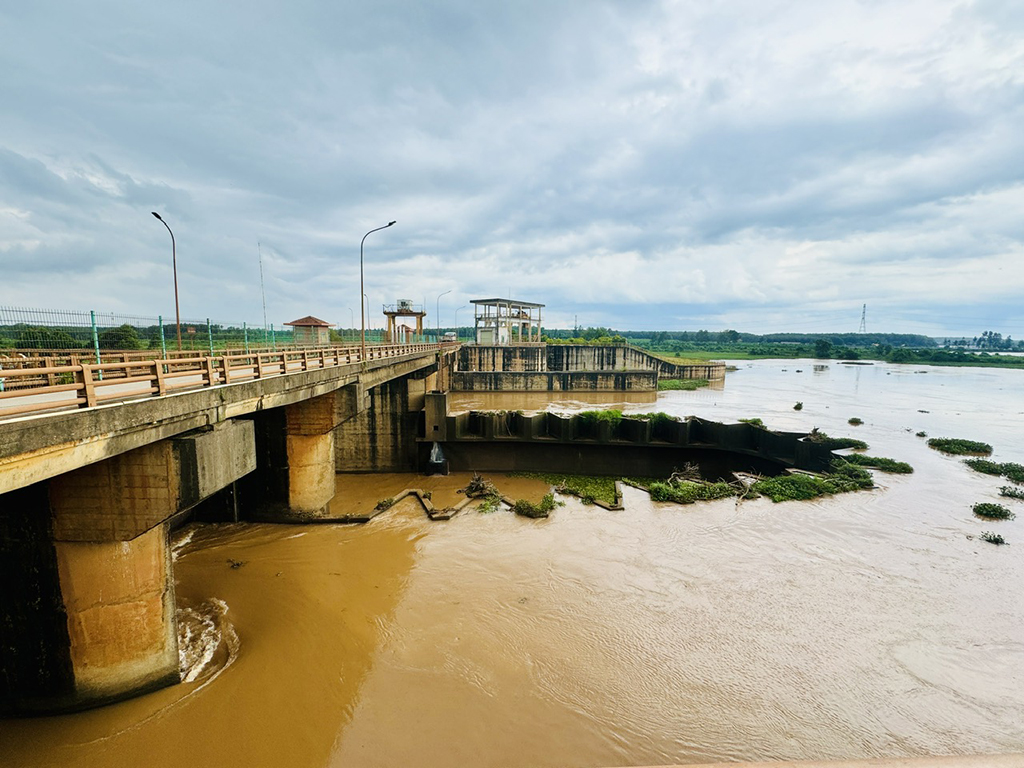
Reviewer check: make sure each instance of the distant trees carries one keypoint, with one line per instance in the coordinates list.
(44, 337)
(823, 348)
(121, 337)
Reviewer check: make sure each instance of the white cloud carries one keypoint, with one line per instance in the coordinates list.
(641, 164)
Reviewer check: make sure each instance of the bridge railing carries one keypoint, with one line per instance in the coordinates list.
(40, 388)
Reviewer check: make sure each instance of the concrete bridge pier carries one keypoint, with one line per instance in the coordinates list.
(87, 610)
(295, 447)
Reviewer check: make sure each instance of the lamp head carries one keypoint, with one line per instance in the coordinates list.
(156, 214)
(391, 222)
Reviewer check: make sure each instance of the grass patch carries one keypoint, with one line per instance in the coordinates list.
(541, 509)
(835, 443)
(959, 447)
(686, 385)
(879, 463)
(588, 488)
(992, 538)
(843, 478)
(1011, 493)
(755, 421)
(992, 511)
(593, 418)
(855, 422)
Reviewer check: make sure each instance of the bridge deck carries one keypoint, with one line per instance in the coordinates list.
(39, 386)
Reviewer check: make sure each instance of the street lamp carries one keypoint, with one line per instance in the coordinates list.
(174, 264)
(457, 321)
(362, 314)
(352, 320)
(437, 317)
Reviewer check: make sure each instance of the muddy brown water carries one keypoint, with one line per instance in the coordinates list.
(864, 625)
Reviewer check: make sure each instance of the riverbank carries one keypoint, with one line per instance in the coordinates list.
(937, 357)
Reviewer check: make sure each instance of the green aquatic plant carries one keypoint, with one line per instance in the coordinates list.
(1011, 493)
(835, 443)
(992, 538)
(880, 463)
(542, 509)
(985, 466)
(855, 422)
(843, 477)
(491, 503)
(798, 407)
(922, 433)
(959, 447)
(687, 491)
(588, 488)
(992, 511)
(1013, 472)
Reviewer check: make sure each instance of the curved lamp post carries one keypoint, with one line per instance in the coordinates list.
(174, 264)
(362, 312)
(437, 314)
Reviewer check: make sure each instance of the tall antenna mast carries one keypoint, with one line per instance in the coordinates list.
(264, 293)
(863, 319)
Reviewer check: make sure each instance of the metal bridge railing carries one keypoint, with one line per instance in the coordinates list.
(54, 385)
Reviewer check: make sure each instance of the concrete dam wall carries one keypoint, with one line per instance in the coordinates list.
(510, 441)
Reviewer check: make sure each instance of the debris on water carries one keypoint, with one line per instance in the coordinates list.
(236, 563)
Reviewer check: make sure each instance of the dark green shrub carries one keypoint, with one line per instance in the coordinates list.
(992, 538)
(1010, 492)
(798, 407)
(855, 422)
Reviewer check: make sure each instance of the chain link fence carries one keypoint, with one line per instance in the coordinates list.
(25, 331)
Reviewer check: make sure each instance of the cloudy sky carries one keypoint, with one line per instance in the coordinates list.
(764, 165)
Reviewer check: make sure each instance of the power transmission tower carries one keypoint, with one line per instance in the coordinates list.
(863, 319)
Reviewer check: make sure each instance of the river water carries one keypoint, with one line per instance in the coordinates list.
(870, 624)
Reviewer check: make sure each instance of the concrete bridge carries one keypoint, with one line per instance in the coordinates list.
(96, 462)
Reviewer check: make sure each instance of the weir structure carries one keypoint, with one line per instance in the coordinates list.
(89, 491)
(569, 367)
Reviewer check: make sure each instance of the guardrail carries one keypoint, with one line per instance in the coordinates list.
(85, 385)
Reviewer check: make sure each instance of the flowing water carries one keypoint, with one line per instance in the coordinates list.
(867, 624)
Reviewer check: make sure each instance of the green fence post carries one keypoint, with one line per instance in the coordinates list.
(163, 341)
(95, 339)
(245, 336)
(209, 335)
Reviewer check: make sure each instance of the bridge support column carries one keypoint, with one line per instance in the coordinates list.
(87, 610)
(295, 453)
